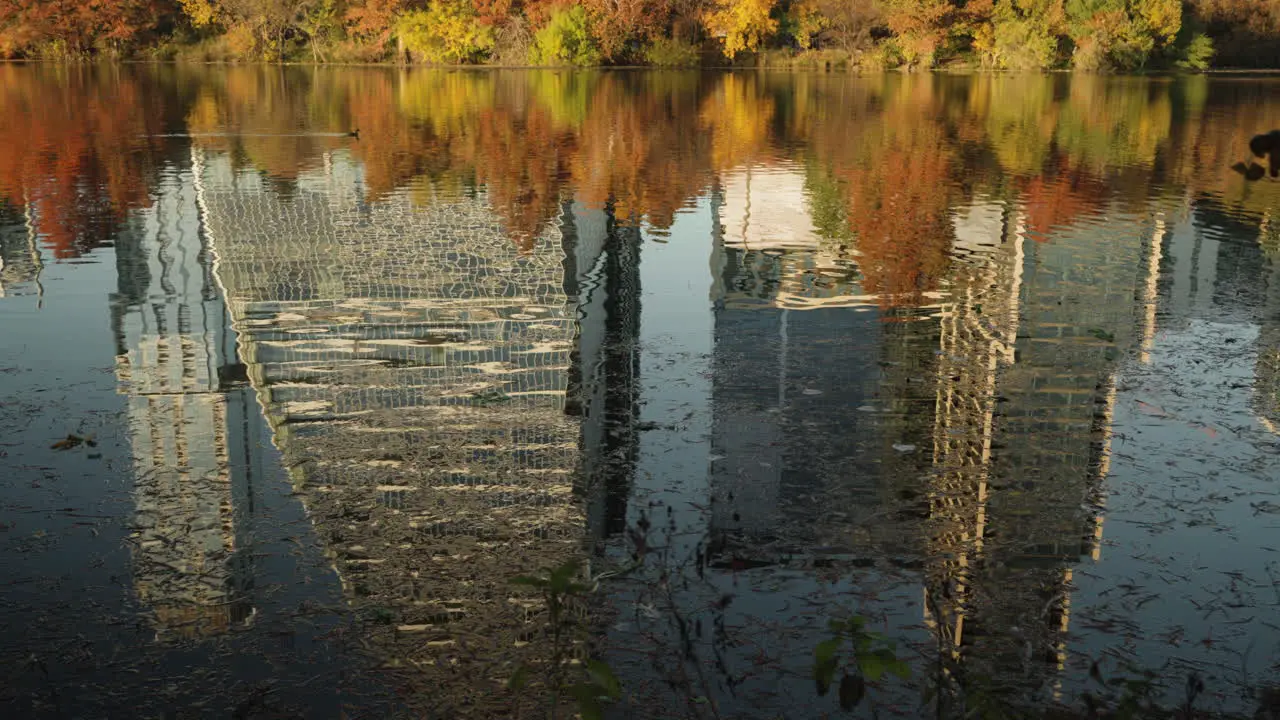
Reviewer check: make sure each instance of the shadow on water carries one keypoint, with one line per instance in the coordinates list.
(952, 395)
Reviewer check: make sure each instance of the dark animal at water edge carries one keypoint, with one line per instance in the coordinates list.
(1264, 145)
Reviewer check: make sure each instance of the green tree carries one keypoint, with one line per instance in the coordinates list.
(566, 40)
(802, 22)
(1120, 34)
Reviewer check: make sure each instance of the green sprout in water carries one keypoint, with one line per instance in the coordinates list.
(559, 586)
(859, 656)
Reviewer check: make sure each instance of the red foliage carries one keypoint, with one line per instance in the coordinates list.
(1056, 200)
(83, 25)
(76, 152)
(374, 19)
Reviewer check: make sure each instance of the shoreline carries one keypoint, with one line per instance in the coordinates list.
(963, 70)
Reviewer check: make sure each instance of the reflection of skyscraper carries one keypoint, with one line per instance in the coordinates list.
(978, 330)
(1238, 275)
(797, 347)
(20, 262)
(1031, 338)
(170, 327)
(414, 364)
(602, 279)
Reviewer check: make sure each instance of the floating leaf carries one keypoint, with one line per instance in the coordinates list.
(68, 442)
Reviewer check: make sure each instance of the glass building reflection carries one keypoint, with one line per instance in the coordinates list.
(436, 390)
(173, 349)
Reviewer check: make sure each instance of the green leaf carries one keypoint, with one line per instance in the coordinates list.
(518, 679)
(603, 675)
(528, 580)
(824, 665)
(872, 666)
(852, 689)
(900, 668)
(822, 677)
(826, 650)
(561, 578)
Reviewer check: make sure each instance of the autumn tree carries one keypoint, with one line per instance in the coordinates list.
(921, 26)
(1021, 34)
(267, 24)
(741, 24)
(621, 23)
(373, 20)
(75, 27)
(447, 31)
(849, 24)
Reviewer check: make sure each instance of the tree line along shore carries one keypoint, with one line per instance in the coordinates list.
(1092, 35)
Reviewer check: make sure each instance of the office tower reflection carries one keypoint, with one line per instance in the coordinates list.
(1032, 337)
(20, 262)
(433, 387)
(171, 332)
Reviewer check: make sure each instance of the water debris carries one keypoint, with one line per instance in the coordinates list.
(490, 395)
(904, 448)
(1102, 335)
(72, 441)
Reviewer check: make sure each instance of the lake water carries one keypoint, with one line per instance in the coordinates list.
(990, 364)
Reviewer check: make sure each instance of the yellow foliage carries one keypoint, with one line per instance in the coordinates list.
(201, 12)
(742, 24)
(448, 31)
(1164, 17)
(807, 21)
(738, 115)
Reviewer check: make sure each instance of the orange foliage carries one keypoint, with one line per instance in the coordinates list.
(900, 211)
(523, 159)
(614, 22)
(634, 151)
(374, 19)
(82, 26)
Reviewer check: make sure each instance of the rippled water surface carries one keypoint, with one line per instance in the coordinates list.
(300, 369)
